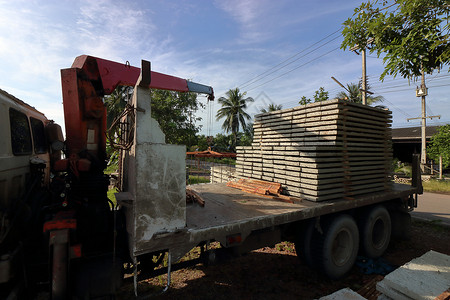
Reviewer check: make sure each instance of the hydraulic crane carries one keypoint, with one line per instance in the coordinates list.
(81, 229)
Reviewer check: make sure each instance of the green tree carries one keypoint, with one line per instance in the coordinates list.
(175, 113)
(354, 94)
(115, 103)
(247, 138)
(408, 33)
(440, 145)
(272, 107)
(320, 95)
(233, 110)
(304, 101)
(222, 142)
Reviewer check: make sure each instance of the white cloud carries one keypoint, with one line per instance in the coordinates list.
(113, 29)
(39, 38)
(252, 15)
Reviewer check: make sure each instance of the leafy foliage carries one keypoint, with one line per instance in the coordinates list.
(304, 101)
(272, 107)
(115, 102)
(354, 94)
(440, 145)
(247, 137)
(233, 110)
(222, 142)
(175, 113)
(320, 95)
(408, 33)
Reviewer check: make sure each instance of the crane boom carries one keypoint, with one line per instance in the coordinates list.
(84, 85)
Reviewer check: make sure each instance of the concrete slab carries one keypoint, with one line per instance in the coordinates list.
(425, 277)
(343, 294)
(335, 131)
(156, 179)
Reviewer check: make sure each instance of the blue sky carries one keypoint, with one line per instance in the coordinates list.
(224, 44)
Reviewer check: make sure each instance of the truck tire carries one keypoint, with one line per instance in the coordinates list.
(338, 246)
(375, 232)
(303, 244)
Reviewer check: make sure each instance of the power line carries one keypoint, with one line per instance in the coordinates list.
(408, 89)
(285, 73)
(399, 109)
(429, 110)
(395, 81)
(249, 84)
(283, 64)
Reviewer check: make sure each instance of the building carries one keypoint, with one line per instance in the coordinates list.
(407, 141)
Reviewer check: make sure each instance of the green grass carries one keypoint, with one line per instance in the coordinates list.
(407, 170)
(435, 226)
(111, 195)
(225, 161)
(197, 179)
(437, 186)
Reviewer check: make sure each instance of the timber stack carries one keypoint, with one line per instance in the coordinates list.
(321, 151)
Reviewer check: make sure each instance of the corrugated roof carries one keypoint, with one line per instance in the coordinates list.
(411, 133)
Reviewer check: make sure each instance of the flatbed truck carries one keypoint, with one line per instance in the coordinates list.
(82, 243)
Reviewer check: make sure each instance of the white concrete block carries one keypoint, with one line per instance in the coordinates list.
(425, 277)
(343, 294)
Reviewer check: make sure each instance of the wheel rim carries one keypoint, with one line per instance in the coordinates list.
(342, 247)
(379, 234)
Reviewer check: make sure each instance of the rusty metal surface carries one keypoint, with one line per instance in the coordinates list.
(229, 211)
(225, 205)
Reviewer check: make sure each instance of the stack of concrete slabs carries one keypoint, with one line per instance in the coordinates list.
(321, 151)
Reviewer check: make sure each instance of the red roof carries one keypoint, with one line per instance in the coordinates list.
(210, 153)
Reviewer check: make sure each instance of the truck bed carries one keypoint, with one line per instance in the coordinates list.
(230, 211)
(226, 206)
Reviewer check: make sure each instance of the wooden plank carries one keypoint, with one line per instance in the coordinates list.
(193, 196)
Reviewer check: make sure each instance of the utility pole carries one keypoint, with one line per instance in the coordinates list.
(423, 152)
(364, 77)
(423, 92)
(363, 88)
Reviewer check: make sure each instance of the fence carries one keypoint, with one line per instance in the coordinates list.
(204, 170)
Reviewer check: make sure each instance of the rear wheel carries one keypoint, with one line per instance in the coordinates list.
(375, 232)
(303, 244)
(337, 247)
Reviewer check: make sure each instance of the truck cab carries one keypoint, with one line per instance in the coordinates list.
(22, 133)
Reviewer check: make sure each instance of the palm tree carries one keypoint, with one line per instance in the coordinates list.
(354, 94)
(233, 110)
(272, 107)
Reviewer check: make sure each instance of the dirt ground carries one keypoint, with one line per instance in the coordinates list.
(275, 273)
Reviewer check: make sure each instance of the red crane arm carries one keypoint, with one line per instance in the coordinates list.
(83, 87)
(113, 74)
